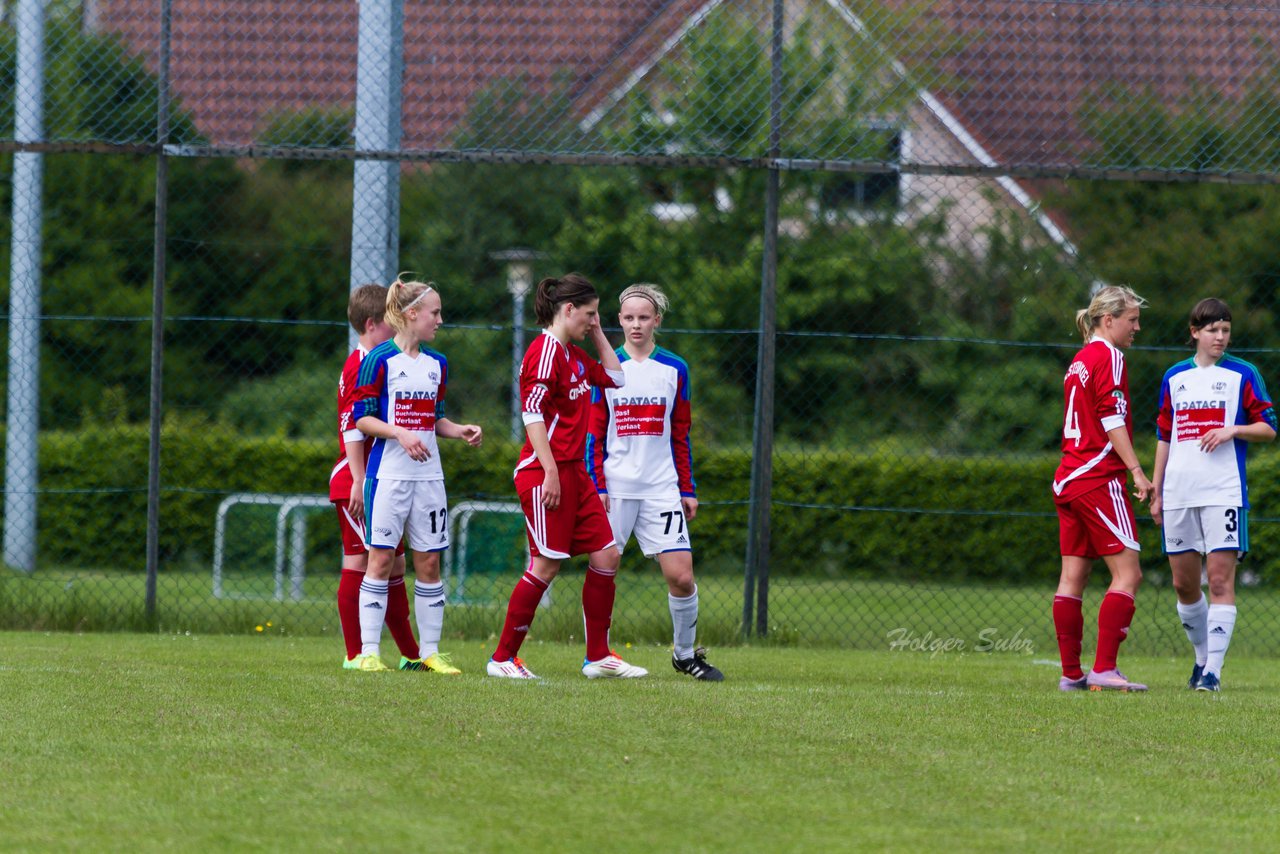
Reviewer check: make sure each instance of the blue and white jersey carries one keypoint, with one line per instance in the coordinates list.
(1193, 401)
(408, 392)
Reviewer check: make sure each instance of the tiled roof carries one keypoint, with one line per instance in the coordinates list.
(1017, 80)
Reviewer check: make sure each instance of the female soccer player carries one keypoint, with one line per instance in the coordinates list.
(400, 403)
(1095, 517)
(562, 513)
(366, 310)
(1211, 405)
(642, 465)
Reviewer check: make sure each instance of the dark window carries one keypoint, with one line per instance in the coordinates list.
(866, 191)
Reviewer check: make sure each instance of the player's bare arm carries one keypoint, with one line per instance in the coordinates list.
(604, 350)
(355, 462)
(1259, 431)
(537, 431)
(1157, 482)
(690, 506)
(408, 439)
(469, 433)
(1119, 437)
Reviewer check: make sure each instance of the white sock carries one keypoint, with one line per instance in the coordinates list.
(684, 622)
(373, 613)
(1222, 621)
(428, 605)
(1195, 621)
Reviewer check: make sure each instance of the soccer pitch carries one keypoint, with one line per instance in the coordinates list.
(163, 742)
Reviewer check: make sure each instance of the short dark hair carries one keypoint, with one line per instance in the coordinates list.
(1207, 311)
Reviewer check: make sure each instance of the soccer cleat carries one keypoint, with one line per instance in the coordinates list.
(512, 668)
(437, 662)
(698, 667)
(1209, 682)
(369, 663)
(350, 663)
(1196, 672)
(611, 667)
(1112, 680)
(1068, 684)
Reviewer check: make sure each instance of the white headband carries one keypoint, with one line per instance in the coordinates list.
(417, 299)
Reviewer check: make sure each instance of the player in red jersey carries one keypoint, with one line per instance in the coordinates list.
(1095, 517)
(562, 513)
(366, 310)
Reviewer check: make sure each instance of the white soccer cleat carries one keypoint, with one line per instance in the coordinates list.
(612, 667)
(512, 668)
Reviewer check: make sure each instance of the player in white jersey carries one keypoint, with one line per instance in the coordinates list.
(640, 460)
(1211, 405)
(400, 404)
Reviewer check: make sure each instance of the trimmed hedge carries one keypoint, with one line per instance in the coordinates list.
(911, 516)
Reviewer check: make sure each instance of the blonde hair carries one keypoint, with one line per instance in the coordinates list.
(1113, 300)
(644, 290)
(402, 296)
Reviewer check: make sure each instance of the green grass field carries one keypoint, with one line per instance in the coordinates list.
(193, 743)
(848, 612)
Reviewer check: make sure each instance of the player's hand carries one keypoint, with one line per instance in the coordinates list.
(604, 499)
(413, 446)
(551, 489)
(1211, 440)
(1157, 508)
(690, 506)
(1142, 488)
(471, 434)
(355, 503)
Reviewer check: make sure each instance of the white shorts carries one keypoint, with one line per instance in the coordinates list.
(1206, 529)
(414, 509)
(658, 524)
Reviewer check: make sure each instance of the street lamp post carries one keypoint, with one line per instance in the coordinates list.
(519, 281)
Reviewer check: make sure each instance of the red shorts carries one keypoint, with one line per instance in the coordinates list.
(1098, 523)
(352, 531)
(578, 526)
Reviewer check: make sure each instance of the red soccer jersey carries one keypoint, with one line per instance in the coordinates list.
(556, 381)
(340, 477)
(1096, 398)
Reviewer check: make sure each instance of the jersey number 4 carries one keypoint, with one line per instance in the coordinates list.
(1071, 424)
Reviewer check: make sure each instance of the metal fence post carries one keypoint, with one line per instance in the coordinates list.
(22, 436)
(375, 209)
(758, 529)
(157, 312)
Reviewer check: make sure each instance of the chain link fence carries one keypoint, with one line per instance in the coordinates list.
(875, 221)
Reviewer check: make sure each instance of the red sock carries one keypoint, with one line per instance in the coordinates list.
(597, 610)
(520, 611)
(1068, 620)
(398, 618)
(1114, 617)
(349, 609)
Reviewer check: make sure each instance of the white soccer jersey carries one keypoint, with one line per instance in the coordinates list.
(638, 445)
(1193, 401)
(407, 392)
